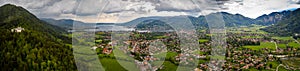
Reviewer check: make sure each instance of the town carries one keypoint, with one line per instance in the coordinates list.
(246, 48)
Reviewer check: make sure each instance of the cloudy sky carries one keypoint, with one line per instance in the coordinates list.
(125, 10)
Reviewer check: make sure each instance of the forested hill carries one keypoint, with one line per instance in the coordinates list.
(38, 46)
(288, 26)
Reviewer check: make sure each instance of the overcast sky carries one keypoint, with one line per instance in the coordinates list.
(125, 10)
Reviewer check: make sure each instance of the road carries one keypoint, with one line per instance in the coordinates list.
(279, 66)
(296, 40)
(275, 45)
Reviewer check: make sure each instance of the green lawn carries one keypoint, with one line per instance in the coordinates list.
(121, 65)
(169, 66)
(80, 49)
(203, 40)
(272, 64)
(199, 52)
(269, 45)
(294, 44)
(111, 65)
(282, 46)
(99, 41)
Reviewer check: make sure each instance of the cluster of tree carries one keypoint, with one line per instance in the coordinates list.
(30, 50)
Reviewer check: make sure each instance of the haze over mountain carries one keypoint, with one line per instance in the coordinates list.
(38, 46)
(67, 24)
(284, 22)
(231, 20)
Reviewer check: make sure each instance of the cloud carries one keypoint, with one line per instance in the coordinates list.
(91, 7)
(295, 1)
(255, 8)
(126, 10)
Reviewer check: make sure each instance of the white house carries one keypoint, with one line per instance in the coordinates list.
(94, 47)
(18, 29)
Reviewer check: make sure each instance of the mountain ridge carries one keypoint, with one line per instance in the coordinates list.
(230, 19)
(288, 26)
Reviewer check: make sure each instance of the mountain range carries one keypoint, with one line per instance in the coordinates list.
(284, 23)
(231, 20)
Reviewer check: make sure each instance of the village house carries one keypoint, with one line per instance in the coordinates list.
(94, 47)
(107, 51)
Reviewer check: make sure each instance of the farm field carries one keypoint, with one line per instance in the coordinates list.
(281, 46)
(111, 65)
(292, 62)
(294, 45)
(269, 45)
(252, 37)
(254, 29)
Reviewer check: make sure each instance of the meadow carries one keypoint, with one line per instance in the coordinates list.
(269, 45)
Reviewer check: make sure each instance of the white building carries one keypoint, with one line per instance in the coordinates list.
(94, 47)
(18, 29)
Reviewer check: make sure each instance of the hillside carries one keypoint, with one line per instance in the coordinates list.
(288, 26)
(272, 18)
(231, 20)
(153, 25)
(39, 46)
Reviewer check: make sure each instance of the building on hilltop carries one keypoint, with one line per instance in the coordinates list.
(18, 29)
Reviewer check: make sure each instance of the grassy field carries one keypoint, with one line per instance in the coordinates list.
(203, 40)
(252, 29)
(169, 66)
(99, 41)
(282, 46)
(111, 65)
(272, 64)
(293, 62)
(80, 49)
(199, 52)
(252, 37)
(294, 44)
(269, 45)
